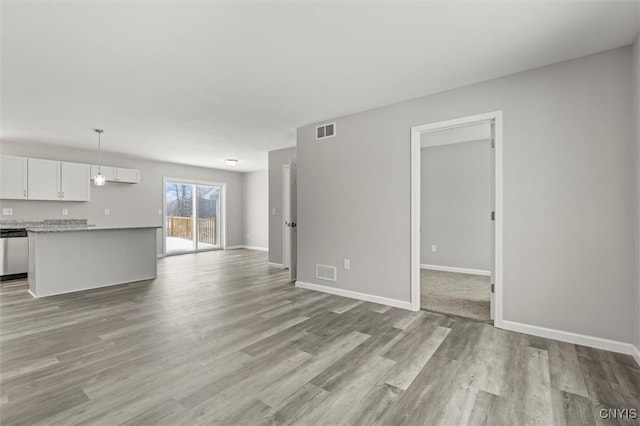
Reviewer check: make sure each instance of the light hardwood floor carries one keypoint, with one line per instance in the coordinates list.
(222, 338)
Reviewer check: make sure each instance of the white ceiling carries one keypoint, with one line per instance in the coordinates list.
(198, 82)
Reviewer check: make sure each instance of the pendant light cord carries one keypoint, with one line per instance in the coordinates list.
(99, 132)
(99, 154)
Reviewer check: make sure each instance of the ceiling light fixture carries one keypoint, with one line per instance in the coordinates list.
(231, 162)
(99, 179)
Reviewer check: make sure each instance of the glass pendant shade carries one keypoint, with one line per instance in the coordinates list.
(99, 179)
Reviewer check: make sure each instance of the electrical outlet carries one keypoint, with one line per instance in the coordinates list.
(65, 212)
(7, 212)
(433, 248)
(107, 212)
(347, 264)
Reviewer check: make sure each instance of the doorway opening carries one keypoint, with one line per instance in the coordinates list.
(456, 217)
(193, 216)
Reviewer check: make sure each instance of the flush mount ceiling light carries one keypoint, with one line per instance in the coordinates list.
(99, 179)
(231, 162)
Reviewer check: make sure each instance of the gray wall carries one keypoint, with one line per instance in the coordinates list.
(636, 114)
(255, 207)
(276, 221)
(130, 204)
(455, 205)
(569, 185)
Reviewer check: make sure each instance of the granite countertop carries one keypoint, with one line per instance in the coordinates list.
(71, 228)
(62, 225)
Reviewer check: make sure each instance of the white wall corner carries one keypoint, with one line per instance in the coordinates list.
(355, 295)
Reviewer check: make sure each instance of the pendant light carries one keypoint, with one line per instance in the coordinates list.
(99, 179)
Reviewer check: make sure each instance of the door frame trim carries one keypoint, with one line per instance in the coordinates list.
(416, 132)
(223, 212)
(285, 229)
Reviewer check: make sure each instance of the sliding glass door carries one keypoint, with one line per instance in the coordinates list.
(193, 219)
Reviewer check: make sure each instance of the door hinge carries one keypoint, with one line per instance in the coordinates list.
(493, 288)
(493, 143)
(493, 215)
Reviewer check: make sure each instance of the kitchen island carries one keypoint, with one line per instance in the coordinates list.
(67, 259)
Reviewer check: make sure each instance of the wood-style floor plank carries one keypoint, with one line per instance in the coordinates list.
(221, 338)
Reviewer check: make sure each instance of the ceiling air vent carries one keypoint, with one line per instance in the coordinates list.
(325, 272)
(325, 131)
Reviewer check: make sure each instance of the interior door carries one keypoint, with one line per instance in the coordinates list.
(493, 222)
(293, 214)
(286, 214)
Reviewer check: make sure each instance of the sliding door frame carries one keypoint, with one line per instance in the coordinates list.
(223, 211)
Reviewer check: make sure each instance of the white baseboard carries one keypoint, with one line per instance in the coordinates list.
(256, 248)
(247, 247)
(32, 295)
(569, 337)
(355, 295)
(454, 269)
(276, 265)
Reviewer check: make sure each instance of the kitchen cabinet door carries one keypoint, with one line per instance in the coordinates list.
(75, 182)
(43, 179)
(108, 172)
(13, 178)
(127, 175)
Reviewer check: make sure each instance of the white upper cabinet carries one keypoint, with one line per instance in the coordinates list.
(75, 182)
(44, 179)
(108, 172)
(58, 180)
(50, 180)
(117, 174)
(13, 178)
(127, 175)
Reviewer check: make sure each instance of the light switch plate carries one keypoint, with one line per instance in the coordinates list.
(347, 264)
(107, 212)
(7, 212)
(159, 212)
(273, 211)
(65, 212)
(433, 248)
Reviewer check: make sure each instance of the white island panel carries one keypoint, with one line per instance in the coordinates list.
(70, 261)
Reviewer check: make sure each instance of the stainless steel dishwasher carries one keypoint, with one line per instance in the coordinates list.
(14, 253)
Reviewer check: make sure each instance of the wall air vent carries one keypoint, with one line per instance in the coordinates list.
(325, 272)
(326, 131)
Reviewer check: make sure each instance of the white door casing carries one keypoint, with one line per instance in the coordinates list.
(497, 191)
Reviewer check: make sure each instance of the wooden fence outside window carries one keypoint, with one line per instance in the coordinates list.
(182, 227)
